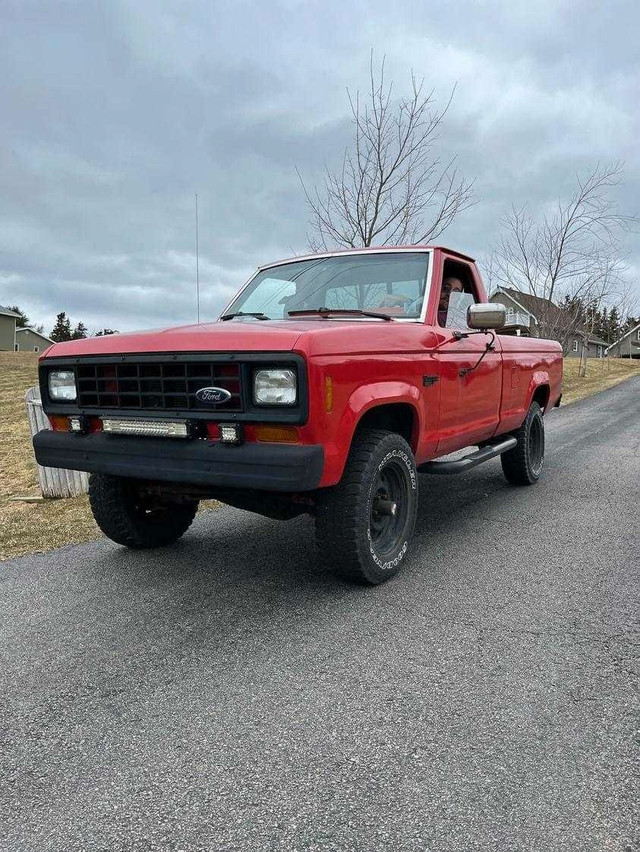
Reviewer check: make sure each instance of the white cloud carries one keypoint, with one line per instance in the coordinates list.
(114, 116)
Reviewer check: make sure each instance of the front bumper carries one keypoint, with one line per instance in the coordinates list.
(266, 467)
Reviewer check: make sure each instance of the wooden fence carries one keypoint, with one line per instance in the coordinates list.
(54, 482)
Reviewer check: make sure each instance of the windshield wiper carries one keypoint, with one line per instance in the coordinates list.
(243, 314)
(325, 312)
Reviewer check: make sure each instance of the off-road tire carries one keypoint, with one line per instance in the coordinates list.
(349, 529)
(123, 518)
(523, 464)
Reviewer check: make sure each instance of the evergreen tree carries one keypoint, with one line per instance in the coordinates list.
(79, 332)
(62, 329)
(631, 322)
(603, 328)
(23, 319)
(612, 331)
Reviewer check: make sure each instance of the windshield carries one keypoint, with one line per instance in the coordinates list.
(391, 283)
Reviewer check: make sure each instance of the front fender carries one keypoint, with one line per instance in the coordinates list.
(361, 400)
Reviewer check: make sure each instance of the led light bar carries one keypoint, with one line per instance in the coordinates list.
(154, 428)
(230, 433)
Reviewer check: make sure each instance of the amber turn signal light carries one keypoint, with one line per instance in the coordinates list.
(59, 423)
(276, 434)
(328, 394)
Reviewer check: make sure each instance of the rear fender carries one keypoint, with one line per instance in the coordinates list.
(538, 379)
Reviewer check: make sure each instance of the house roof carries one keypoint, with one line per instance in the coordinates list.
(33, 331)
(533, 305)
(597, 340)
(626, 334)
(8, 312)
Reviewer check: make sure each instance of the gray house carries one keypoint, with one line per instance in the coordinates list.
(523, 310)
(8, 329)
(596, 346)
(628, 346)
(30, 340)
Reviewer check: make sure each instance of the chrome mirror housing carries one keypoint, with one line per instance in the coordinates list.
(486, 315)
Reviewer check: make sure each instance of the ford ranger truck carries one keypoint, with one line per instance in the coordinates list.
(327, 385)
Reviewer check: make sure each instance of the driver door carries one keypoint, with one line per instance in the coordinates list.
(469, 401)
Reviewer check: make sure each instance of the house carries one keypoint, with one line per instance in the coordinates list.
(523, 312)
(628, 346)
(596, 346)
(30, 340)
(523, 309)
(8, 329)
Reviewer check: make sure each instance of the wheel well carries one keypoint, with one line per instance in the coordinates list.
(541, 396)
(397, 417)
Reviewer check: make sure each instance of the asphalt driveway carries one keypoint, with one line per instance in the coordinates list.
(226, 694)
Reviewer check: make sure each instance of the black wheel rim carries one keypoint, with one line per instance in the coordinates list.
(536, 444)
(389, 507)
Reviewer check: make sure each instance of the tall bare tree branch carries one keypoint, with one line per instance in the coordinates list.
(391, 187)
(569, 259)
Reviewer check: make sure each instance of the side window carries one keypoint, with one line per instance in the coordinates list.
(457, 294)
(36, 348)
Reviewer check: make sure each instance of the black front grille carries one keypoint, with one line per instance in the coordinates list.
(171, 385)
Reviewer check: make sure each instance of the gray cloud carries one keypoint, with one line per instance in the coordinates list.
(114, 115)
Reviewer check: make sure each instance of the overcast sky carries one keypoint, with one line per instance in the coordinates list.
(113, 115)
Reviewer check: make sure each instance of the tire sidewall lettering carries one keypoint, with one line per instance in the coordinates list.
(392, 455)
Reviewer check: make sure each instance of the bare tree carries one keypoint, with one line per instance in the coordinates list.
(392, 187)
(569, 259)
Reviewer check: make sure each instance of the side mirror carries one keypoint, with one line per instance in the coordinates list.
(486, 315)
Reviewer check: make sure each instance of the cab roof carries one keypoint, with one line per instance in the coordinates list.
(365, 250)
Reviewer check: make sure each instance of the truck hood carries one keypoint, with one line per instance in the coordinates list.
(310, 337)
(208, 337)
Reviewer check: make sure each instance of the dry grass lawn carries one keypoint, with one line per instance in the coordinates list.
(601, 374)
(30, 527)
(37, 527)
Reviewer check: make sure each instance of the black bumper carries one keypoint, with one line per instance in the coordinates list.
(267, 467)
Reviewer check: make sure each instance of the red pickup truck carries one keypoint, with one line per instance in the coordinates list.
(329, 383)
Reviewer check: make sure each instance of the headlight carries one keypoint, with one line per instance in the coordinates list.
(274, 387)
(62, 385)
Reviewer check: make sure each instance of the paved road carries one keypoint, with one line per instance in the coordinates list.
(225, 694)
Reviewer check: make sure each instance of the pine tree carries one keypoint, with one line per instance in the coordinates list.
(62, 328)
(79, 332)
(23, 319)
(631, 322)
(613, 326)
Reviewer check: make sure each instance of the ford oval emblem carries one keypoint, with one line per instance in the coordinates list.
(212, 396)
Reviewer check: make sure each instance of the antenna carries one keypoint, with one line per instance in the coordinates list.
(197, 265)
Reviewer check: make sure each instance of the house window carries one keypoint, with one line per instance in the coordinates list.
(575, 345)
(36, 348)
